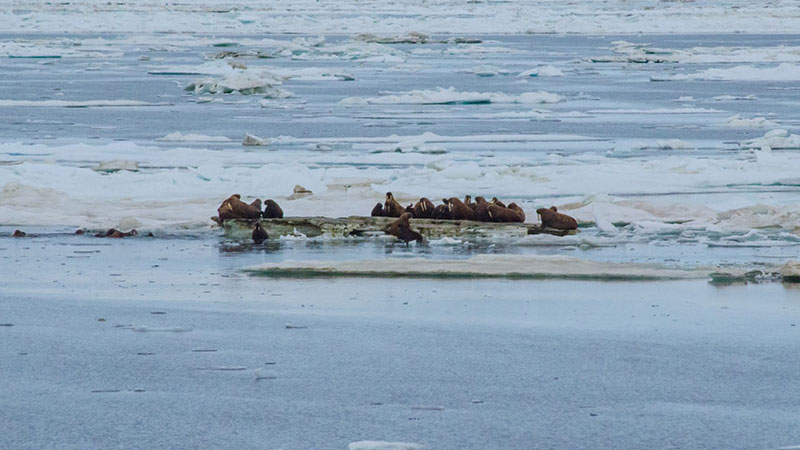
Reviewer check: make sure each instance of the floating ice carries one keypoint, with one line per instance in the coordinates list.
(782, 72)
(482, 266)
(254, 141)
(451, 96)
(410, 38)
(737, 121)
(245, 83)
(775, 139)
(179, 137)
(116, 165)
(543, 71)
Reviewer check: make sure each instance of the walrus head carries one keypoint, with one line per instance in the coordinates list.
(389, 196)
(479, 200)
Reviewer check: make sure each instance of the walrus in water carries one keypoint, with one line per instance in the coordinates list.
(551, 218)
(460, 211)
(259, 234)
(272, 210)
(377, 211)
(482, 209)
(442, 212)
(401, 229)
(19, 233)
(115, 233)
(234, 208)
(423, 209)
(391, 208)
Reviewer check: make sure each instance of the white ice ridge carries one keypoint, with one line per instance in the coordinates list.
(738, 121)
(385, 17)
(782, 72)
(482, 266)
(77, 104)
(625, 51)
(450, 95)
(543, 71)
(775, 139)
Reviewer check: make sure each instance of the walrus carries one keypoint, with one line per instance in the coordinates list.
(469, 203)
(259, 234)
(498, 202)
(482, 209)
(410, 209)
(272, 210)
(115, 233)
(391, 208)
(442, 212)
(401, 229)
(234, 208)
(520, 212)
(460, 211)
(551, 218)
(19, 233)
(424, 208)
(500, 214)
(377, 211)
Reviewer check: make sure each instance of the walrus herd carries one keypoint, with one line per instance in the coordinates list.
(453, 209)
(234, 208)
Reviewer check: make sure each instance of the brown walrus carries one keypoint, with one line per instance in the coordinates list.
(551, 218)
(377, 211)
(272, 210)
(234, 208)
(498, 202)
(482, 209)
(391, 208)
(468, 202)
(115, 233)
(500, 214)
(401, 229)
(259, 234)
(423, 209)
(19, 233)
(460, 211)
(442, 212)
(513, 206)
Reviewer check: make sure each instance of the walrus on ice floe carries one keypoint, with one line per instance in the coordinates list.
(482, 209)
(259, 234)
(234, 208)
(498, 202)
(460, 211)
(401, 229)
(391, 208)
(377, 211)
(423, 209)
(442, 212)
(499, 214)
(551, 218)
(272, 210)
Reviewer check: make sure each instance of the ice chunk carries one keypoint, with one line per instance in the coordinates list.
(775, 139)
(542, 71)
(116, 165)
(757, 122)
(252, 140)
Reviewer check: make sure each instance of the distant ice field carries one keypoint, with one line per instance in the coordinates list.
(666, 140)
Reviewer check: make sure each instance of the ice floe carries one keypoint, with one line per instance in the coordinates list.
(450, 95)
(738, 121)
(543, 71)
(775, 139)
(782, 72)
